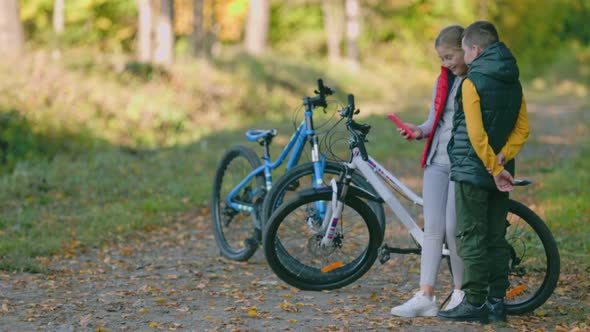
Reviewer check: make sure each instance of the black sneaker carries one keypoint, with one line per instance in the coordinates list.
(466, 312)
(496, 309)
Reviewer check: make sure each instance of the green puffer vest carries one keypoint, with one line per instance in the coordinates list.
(495, 76)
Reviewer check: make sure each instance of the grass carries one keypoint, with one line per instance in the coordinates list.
(124, 164)
(565, 198)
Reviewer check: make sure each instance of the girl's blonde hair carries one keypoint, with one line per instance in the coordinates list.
(450, 37)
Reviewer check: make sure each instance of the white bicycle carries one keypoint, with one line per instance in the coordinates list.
(315, 250)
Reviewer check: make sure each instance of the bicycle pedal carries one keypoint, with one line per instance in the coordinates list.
(384, 255)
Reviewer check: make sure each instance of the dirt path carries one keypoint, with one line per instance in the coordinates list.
(173, 278)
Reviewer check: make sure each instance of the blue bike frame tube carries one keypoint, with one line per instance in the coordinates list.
(268, 177)
(318, 163)
(292, 142)
(229, 198)
(298, 149)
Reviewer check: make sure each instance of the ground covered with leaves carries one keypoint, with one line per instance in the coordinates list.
(172, 278)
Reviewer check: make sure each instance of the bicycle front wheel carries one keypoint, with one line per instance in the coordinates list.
(534, 260)
(292, 242)
(301, 177)
(235, 227)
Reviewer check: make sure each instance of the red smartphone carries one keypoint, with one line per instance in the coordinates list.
(395, 119)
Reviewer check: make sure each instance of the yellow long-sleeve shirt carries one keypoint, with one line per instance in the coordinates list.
(478, 136)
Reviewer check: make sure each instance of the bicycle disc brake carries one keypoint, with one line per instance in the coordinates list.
(314, 245)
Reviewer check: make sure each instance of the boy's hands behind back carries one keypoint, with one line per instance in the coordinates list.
(504, 181)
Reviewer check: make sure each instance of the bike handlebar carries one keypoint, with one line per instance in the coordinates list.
(358, 130)
(320, 99)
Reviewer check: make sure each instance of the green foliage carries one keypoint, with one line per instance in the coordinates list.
(391, 30)
(297, 29)
(107, 24)
(17, 141)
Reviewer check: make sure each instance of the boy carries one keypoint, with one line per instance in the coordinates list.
(489, 128)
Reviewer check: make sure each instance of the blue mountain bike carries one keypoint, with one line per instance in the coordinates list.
(242, 182)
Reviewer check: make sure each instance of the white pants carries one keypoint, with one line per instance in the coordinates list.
(438, 193)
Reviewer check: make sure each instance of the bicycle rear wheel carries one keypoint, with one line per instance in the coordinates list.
(292, 242)
(534, 260)
(235, 229)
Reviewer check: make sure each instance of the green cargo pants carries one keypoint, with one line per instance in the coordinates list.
(481, 242)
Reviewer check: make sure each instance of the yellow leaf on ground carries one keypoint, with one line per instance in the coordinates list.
(154, 325)
(252, 311)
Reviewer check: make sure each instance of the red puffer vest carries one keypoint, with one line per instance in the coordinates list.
(442, 90)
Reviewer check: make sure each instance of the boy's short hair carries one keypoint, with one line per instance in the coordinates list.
(480, 33)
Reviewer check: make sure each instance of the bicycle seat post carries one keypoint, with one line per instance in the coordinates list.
(265, 150)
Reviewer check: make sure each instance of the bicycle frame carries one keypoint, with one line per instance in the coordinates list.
(295, 145)
(379, 177)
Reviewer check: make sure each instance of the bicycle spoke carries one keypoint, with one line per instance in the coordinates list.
(302, 244)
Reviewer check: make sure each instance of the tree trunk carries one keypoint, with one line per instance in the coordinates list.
(257, 26)
(164, 52)
(210, 33)
(198, 37)
(352, 32)
(144, 30)
(333, 13)
(483, 10)
(58, 17)
(12, 39)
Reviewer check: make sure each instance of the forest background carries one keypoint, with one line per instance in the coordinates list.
(113, 114)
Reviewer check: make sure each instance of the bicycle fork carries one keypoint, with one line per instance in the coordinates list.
(335, 207)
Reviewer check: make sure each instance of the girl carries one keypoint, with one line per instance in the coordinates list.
(438, 190)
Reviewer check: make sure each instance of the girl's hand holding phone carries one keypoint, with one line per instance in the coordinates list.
(413, 133)
(407, 130)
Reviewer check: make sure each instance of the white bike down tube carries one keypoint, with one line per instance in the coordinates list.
(395, 182)
(389, 197)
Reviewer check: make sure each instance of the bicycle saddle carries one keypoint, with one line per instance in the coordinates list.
(260, 134)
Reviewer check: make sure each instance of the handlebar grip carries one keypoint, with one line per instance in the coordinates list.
(351, 102)
(321, 86)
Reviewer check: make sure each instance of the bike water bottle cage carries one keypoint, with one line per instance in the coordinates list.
(261, 135)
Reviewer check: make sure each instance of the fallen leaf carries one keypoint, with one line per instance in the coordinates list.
(252, 312)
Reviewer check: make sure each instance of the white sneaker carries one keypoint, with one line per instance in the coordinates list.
(456, 298)
(419, 305)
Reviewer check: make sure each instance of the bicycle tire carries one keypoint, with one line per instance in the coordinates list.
(541, 267)
(291, 181)
(235, 231)
(302, 263)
